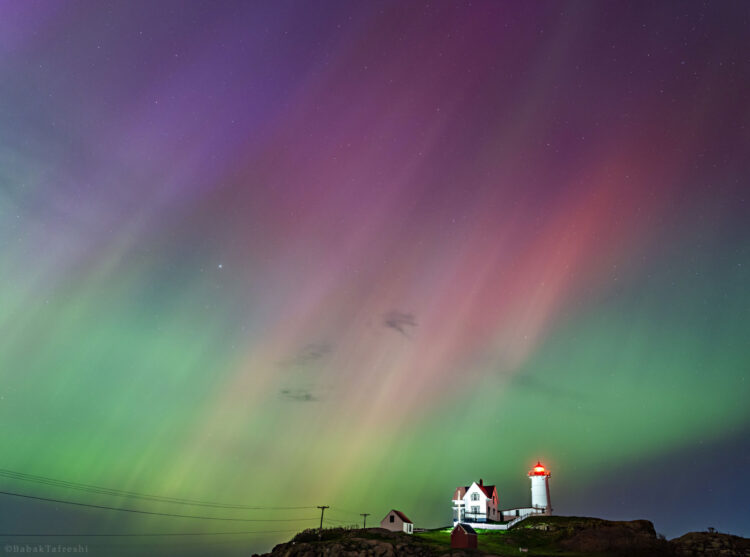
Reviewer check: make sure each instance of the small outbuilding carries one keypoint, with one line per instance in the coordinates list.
(463, 536)
(396, 521)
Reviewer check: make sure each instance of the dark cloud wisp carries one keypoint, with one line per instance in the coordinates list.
(400, 321)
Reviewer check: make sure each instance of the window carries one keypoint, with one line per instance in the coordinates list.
(392, 518)
(475, 496)
(475, 510)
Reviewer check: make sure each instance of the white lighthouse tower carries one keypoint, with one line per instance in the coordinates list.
(540, 488)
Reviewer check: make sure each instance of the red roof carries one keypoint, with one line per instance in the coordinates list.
(402, 516)
(486, 489)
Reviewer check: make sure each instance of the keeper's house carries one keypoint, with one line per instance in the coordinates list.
(475, 503)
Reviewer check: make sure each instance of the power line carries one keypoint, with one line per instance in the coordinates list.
(131, 494)
(154, 513)
(333, 520)
(160, 534)
(339, 510)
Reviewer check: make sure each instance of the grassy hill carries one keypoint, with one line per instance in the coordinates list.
(562, 535)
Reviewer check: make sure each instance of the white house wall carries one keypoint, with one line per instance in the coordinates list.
(481, 503)
(396, 526)
(484, 503)
(509, 514)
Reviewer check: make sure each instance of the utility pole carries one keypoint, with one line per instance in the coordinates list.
(365, 515)
(320, 530)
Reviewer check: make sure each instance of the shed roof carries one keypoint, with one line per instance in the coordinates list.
(401, 515)
(466, 528)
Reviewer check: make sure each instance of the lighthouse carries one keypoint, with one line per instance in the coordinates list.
(539, 476)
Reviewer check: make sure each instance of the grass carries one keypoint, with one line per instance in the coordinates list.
(507, 542)
(498, 542)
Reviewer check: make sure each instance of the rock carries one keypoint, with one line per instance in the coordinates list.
(710, 544)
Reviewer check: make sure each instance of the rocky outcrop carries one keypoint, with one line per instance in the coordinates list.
(710, 544)
(374, 542)
(593, 535)
(352, 547)
(630, 538)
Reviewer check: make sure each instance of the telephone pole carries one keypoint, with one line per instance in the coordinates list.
(365, 515)
(320, 530)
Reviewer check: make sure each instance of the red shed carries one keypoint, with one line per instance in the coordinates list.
(463, 536)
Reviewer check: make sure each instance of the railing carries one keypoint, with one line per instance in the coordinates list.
(495, 526)
(475, 517)
(516, 521)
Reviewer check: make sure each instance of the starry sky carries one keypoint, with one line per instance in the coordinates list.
(288, 254)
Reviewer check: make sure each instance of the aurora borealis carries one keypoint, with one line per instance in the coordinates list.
(359, 253)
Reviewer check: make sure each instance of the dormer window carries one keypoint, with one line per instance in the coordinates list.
(475, 496)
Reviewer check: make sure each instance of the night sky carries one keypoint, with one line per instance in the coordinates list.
(288, 254)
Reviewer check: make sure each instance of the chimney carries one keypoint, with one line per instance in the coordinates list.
(481, 481)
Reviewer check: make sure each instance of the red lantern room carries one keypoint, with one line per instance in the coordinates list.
(539, 470)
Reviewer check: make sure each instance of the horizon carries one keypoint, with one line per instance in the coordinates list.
(287, 254)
